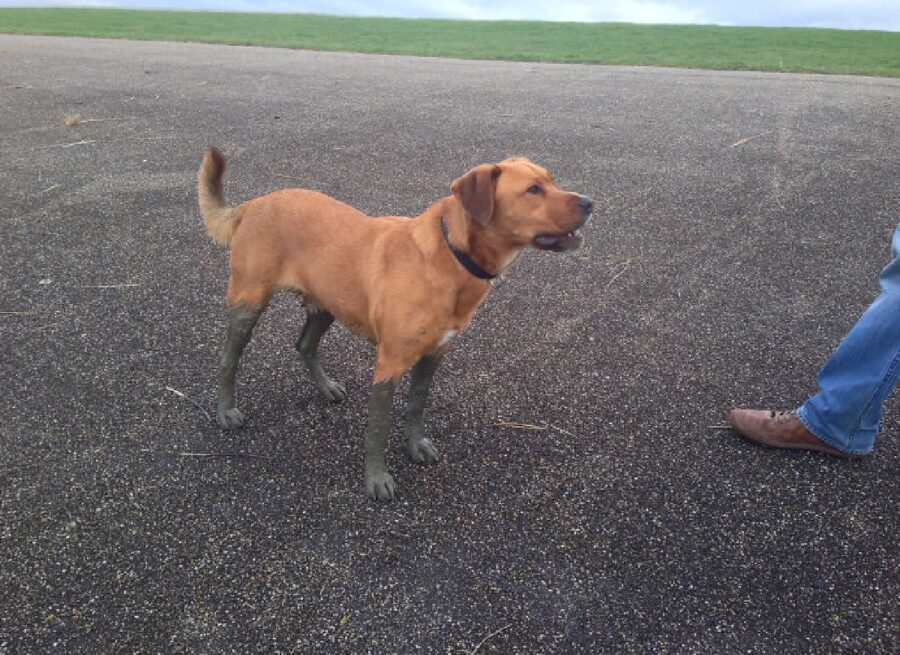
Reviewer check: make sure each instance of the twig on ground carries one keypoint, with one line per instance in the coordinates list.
(71, 120)
(513, 425)
(741, 142)
(83, 142)
(149, 138)
(68, 145)
(104, 120)
(44, 327)
(192, 401)
(49, 188)
(490, 636)
(222, 455)
(520, 426)
(622, 268)
(17, 313)
(559, 429)
(290, 177)
(109, 286)
(718, 427)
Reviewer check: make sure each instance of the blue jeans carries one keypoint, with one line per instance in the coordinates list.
(856, 381)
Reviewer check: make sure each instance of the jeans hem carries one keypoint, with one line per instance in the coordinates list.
(802, 414)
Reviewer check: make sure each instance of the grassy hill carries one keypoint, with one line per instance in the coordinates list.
(687, 46)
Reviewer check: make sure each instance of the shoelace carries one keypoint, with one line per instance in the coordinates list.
(781, 417)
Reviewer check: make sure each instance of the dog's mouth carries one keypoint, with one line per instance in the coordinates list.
(558, 242)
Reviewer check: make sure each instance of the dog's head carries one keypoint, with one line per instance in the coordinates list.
(517, 203)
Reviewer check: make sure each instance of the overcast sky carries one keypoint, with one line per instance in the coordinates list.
(850, 14)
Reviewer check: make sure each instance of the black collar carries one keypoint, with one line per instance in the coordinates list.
(464, 258)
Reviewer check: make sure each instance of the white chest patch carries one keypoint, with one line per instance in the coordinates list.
(448, 335)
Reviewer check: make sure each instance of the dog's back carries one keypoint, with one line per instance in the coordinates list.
(300, 239)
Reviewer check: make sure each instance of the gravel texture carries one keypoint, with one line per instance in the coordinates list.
(712, 276)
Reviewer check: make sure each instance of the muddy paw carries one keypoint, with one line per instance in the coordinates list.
(380, 486)
(334, 392)
(230, 419)
(423, 451)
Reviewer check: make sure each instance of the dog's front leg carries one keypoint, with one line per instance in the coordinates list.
(420, 448)
(379, 483)
(317, 324)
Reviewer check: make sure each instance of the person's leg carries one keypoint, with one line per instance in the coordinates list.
(856, 380)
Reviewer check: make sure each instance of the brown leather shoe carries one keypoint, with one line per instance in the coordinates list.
(779, 430)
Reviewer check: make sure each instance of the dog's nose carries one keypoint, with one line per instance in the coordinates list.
(586, 205)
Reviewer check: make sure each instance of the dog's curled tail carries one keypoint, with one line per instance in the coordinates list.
(218, 216)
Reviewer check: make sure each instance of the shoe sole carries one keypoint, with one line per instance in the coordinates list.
(828, 450)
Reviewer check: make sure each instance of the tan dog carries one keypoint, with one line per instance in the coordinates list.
(409, 285)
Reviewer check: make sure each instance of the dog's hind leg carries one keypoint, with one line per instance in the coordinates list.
(241, 320)
(420, 448)
(317, 323)
(246, 303)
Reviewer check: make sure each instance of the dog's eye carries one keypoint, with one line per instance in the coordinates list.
(535, 189)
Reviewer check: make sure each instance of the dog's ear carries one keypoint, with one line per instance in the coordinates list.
(475, 191)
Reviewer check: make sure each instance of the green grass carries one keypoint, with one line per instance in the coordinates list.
(688, 46)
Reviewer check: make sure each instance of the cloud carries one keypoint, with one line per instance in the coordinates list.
(846, 14)
(633, 11)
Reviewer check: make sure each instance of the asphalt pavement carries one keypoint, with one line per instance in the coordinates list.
(588, 500)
